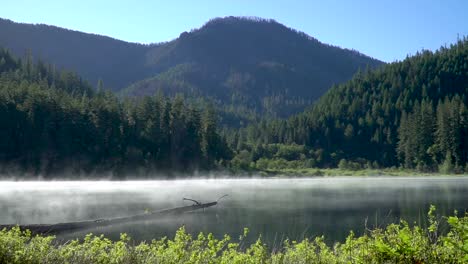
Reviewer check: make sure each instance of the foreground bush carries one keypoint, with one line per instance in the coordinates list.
(398, 243)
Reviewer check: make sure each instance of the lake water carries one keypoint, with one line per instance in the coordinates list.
(273, 208)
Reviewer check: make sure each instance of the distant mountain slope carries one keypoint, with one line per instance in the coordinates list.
(117, 62)
(254, 64)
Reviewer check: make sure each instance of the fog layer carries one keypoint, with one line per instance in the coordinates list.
(274, 208)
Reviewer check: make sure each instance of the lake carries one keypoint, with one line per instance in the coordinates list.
(276, 209)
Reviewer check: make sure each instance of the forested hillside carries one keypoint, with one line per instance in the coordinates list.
(411, 113)
(53, 122)
(93, 57)
(247, 66)
(250, 64)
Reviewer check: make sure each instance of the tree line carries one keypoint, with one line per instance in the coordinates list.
(52, 120)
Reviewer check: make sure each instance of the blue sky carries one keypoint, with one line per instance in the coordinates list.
(385, 29)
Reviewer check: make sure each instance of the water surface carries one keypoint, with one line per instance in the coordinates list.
(273, 208)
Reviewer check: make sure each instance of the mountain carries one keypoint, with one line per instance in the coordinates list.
(244, 63)
(118, 63)
(412, 113)
(256, 63)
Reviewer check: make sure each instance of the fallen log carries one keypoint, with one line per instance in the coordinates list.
(75, 226)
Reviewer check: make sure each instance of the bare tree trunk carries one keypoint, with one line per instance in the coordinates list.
(75, 226)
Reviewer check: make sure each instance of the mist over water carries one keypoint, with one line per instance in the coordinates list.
(273, 208)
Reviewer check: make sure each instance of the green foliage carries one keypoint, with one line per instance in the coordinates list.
(458, 239)
(290, 152)
(349, 165)
(397, 243)
(242, 161)
(447, 166)
(277, 157)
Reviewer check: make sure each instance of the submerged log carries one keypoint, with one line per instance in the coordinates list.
(76, 226)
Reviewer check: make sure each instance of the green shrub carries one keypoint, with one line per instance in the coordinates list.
(262, 164)
(397, 243)
(290, 152)
(343, 164)
(242, 161)
(349, 165)
(447, 166)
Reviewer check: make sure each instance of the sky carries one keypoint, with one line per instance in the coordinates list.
(388, 30)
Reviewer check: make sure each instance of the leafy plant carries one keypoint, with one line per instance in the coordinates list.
(397, 243)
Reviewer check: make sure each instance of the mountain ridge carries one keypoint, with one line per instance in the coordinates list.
(255, 63)
(261, 64)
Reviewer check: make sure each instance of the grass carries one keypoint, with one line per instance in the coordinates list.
(397, 243)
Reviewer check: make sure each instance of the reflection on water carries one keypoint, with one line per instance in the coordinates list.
(273, 208)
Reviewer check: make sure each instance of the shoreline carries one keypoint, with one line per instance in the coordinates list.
(226, 175)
